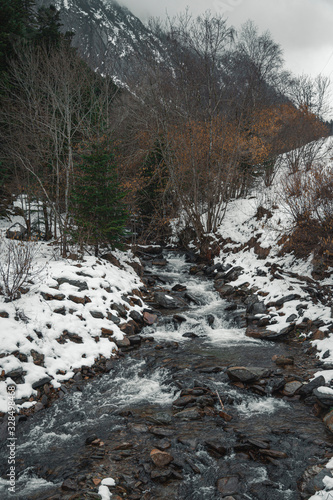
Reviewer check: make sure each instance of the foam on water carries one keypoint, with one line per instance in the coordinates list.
(26, 484)
(261, 406)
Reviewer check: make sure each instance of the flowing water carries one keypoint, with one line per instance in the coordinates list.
(123, 405)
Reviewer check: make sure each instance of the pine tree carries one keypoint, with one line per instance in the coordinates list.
(99, 213)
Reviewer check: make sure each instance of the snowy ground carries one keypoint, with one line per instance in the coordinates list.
(34, 322)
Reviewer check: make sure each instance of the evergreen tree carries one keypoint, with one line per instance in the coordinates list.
(99, 213)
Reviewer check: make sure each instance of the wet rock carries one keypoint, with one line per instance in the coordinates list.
(165, 301)
(307, 389)
(161, 458)
(178, 318)
(149, 318)
(246, 374)
(273, 453)
(224, 290)
(179, 288)
(162, 431)
(228, 485)
(135, 339)
(276, 384)
(283, 360)
(312, 479)
(210, 369)
(291, 388)
(38, 407)
(324, 395)
(189, 414)
(328, 420)
(216, 447)
(210, 319)
(192, 298)
(263, 334)
(91, 439)
(256, 308)
(190, 335)
(124, 342)
(184, 400)
(161, 476)
(69, 485)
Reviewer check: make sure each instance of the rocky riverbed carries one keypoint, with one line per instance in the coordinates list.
(200, 403)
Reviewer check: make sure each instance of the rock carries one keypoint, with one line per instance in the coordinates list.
(191, 298)
(291, 318)
(228, 485)
(49, 296)
(225, 290)
(190, 335)
(216, 447)
(60, 310)
(149, 318)
(283, 360)
(246, 374)
(273, 453)
(318, 335)
(16, 373)
(276, 384)
(135, 339)
(178, 318)
(69, 485)
(91, 439)
(97, 314)
(42, 381)
(106, 332)
(113, 318)
(263, 334)
(291, 388)
(74, 337)
(179, 288)
(121, 310)
(81, 285)
(38, 407)
(189, 414)
(256, 308)
(210, 319)
(161, 475)
(124, 342)
(162, 431)
(159, 262)
(38, 358)
(324, 395)
(165, 301)
(136, 316)
(160, 458)
(127, 328)
(77, 300)
(4, 314)
(288, 298)
(307, 389)
(112, 259)
(328, 420)
(184, 400)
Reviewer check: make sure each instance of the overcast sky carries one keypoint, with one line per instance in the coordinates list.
(303, 28)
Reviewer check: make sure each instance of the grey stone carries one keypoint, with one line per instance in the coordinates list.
(324, 399)
(307, 389)
(246, 374)
(81, 285)
(42, 381)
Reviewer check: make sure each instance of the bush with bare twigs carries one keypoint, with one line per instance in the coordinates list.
(17, 265)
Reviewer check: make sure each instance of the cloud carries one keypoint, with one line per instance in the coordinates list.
(303, 28)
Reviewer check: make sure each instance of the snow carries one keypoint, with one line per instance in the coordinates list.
(103, 490)
(34, 325)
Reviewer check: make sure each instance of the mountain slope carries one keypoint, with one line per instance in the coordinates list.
(108, 36)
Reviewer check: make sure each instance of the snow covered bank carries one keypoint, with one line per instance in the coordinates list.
(69, 318)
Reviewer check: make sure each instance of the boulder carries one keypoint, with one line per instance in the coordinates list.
(81, 285)
(291, 388)
(160, 458)
(166, 301)
(324, 395)
(246, 374)
(307, 389)
(149, 318)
